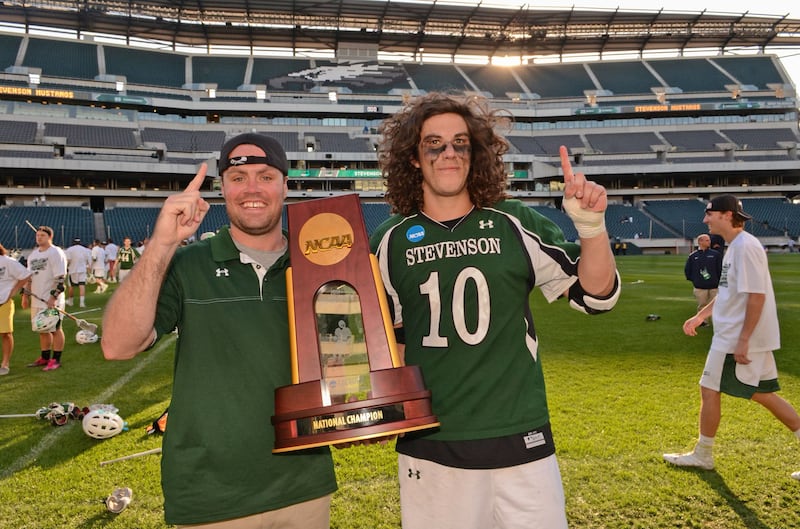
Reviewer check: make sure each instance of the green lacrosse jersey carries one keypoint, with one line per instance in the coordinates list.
(461, 293)
(232, 352)
(127, 257)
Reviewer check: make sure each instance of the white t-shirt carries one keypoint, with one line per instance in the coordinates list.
(11, 271)
(79, 258)
(111, 251)
(48, 267)
(744, 271)
(98, 258)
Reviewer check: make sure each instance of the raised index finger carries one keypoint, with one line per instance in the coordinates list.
(198, 179)
(566, 166)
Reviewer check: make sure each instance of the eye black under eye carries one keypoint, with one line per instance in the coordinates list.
(430, 150)
(460, 147)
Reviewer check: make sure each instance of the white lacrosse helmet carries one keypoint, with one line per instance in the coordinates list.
(84, 337)
(102, 424)
(46, 320)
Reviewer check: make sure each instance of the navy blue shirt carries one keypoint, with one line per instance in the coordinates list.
(703, 268)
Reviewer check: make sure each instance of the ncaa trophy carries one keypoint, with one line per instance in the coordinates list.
(348, 383)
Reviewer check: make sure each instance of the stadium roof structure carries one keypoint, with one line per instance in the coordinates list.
(444, 27)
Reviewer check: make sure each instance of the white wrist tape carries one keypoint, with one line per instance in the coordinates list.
(588, 223)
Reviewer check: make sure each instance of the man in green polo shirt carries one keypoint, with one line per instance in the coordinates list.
(227, 297)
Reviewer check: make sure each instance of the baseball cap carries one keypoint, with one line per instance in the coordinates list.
(728, 203)
(274, 154)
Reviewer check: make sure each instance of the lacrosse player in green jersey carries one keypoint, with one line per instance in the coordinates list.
(126, 257)
(459, 261)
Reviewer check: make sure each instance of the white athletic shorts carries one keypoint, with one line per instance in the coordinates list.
(99, 273)
(528, 496)
(77, 278)
(723, 373)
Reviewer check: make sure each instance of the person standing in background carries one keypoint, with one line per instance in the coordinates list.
(740, 361)
(703, 268)
(99, 266)
(79, 263)
(13, 276)
(48, 264)
(111, 250)
(126, 258)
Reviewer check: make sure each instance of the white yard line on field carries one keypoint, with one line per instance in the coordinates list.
(85, 311)
(51, 438)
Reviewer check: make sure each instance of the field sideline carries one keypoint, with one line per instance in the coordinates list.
(622, 390)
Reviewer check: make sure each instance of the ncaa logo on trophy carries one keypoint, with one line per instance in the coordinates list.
(348, 383)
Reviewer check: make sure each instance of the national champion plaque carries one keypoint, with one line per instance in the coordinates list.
(348, 383)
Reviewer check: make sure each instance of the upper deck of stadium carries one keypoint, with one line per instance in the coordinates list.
(85, 116)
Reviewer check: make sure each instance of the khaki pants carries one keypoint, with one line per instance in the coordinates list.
(312, 514)
(704, 296)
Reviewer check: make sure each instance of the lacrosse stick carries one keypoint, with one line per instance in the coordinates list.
(139, 454)
(32, 226)
(83, 324)
(40, 413)
(57, 413)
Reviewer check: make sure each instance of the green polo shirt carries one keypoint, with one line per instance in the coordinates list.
(231, 354)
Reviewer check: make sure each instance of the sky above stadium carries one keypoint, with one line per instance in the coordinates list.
(790, 58)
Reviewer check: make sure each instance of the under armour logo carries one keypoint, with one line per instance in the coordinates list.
(483, 224)
(223, 272)
(412, 473)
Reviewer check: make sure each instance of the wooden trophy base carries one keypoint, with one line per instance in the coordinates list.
(398, 403)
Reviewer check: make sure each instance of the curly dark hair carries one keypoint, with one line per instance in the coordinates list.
(486, 181)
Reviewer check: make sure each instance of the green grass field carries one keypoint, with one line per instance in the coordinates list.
(622, 391)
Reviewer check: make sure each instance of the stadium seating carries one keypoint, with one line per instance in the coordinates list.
(560, 219)
(690, 76)
(290, 141)
(556, 80)
(136, 223)
(684, 216)
(146, 67)
(9, 44)
(626, 222)
(18, 132)
(185, 140)
(274, 73)
(438, 78)
(624, 77)
(541, 145)
(92, 136)
(775, 214)
(625, 142)
(754, 71)
(694, 140)
(337, 142)
(68, 59)
(606, 112)
(228, 73)
(374, 214)
(754, 139)
(495, 80)
(67, 223)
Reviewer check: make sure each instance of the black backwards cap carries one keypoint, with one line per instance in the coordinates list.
(274, 153)
(728, 203)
